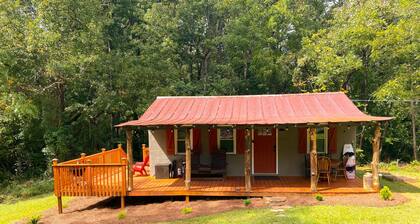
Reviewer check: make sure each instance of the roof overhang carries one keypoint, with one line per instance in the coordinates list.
(283, 110)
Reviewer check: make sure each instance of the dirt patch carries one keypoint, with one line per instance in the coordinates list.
(158, 209)
(141, 210)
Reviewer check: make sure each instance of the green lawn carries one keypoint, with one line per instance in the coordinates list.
(27, 208)
(406, 213)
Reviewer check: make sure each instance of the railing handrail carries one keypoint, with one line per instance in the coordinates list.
(99, 174)
(96, 155)
(87, 164)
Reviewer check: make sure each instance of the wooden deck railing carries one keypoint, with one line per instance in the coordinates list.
(100, 174)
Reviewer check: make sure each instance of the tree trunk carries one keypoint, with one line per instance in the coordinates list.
(313, 159)
(247, 159)
(129, 135)
(413, 128)
(375, 157)
(187, 159)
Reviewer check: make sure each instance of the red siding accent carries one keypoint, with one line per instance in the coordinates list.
(213, 140)
(302, 140)
(240, 141)
(170, 141)
(197, 139)
(332, 140)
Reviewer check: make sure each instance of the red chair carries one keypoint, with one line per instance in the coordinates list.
(141, 167)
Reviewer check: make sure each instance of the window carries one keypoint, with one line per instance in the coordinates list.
(180, 141)
(321, 141)
(226, 140)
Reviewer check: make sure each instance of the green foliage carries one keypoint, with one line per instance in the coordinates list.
(385, 193)
(319, 197)
(186, 210)
(247, 202)
(361, 157)
(34, 220)
(122, 214)
(20, 190)
(70, 71)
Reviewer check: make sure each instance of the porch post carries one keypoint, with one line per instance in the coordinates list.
(129, 135)
(313, 159)
(187, 159)
(247, 155)
(375, 157)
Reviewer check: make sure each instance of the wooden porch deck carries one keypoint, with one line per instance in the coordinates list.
(235, 186)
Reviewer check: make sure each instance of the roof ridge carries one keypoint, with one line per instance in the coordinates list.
(260, 95)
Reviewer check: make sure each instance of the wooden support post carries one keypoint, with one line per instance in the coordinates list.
(187, 199)
(120, 149)
(56, 173)
(123, 182)
(122, 202)
(144, 150)
(60, 205)
(375, 157)
(103, 154)
(187, 159)
(313, 159)
(123, 177)
(89, 178)
(247, 155)
(129, 135)
(82, 157)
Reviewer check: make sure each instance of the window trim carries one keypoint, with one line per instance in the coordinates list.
(308, 141)
(176, 141)
(234, 141)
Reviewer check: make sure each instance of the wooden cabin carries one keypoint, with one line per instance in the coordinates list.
(253, 145)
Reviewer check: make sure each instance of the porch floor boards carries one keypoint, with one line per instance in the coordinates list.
(235, 186)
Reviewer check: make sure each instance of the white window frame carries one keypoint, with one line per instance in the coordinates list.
(176, 141)
(234, 140)
(308, 141)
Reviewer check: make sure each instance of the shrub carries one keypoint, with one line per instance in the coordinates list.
(34, 220)
(247, 202)
(385, 193)
(121, 214)
(186, 210)
(15, 190)
(319, 197)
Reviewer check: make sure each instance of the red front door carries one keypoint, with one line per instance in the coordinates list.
(265, 150)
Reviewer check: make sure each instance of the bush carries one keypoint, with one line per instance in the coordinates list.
(121, 214)
(247, 202)
(15, 190)
(385, 193)
(319, 197)
(186, 210)
(34, 220)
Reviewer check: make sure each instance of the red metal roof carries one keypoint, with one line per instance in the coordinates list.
(330, 107)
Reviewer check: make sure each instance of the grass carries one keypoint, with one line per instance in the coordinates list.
(122, 214)
(27, 208)
(405, 213)
(255, 216)
(186, 210)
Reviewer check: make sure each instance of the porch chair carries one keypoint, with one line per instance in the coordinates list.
(341, 169)
(141, 166)
(218, 163)
(324, 169)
